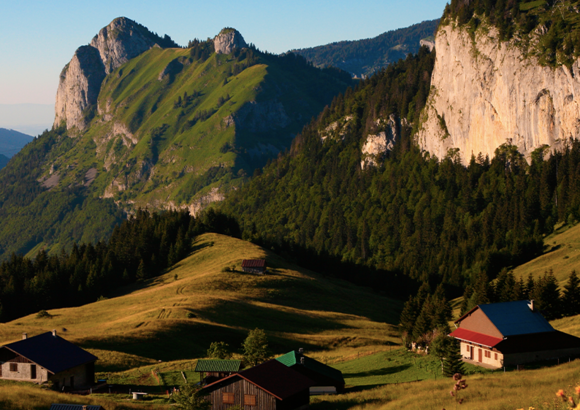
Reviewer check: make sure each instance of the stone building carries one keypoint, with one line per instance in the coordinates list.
(509, 334)
(47, 357)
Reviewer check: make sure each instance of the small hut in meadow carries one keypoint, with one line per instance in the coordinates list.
(212, 370)
(257, 266)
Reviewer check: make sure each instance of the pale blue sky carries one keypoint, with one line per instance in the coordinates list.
(38, 37)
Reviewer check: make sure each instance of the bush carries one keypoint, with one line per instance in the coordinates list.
(43, 314)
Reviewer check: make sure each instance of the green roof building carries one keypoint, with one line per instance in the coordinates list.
(214, 369)
(328, 379)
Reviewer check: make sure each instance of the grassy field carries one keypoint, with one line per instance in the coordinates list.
(24, 396)
(562, 255)
(171, 319)
(493, 391)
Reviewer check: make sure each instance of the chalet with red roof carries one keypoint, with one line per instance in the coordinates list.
(268, 386)
(254, 266)
(47, 357)
(510, 333)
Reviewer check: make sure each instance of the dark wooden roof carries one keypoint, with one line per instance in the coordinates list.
(273, 377)
(538, 342)
(51, 352)
(254, 263)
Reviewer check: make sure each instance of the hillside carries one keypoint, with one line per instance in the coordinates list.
(362, 58)
(561, 255)
(199, 302)
(12, 141)
(142, 123)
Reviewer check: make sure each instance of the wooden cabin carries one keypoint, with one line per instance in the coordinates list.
(257, 266)
(214, 369)
(328, 380)
(47, 357)
(510, 333)
(268, 386)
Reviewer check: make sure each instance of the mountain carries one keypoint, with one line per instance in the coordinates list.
(362, 58)
(31, 119)
(504, 73)
(12, 141)
(141, 123)
(3, 161)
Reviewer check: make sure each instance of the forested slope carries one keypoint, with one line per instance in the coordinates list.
(365, 57)
(426, 219)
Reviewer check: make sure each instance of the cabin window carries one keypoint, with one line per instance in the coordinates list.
(250, 400)
(13, 367)
(488, 354)
(496, 356)
(467, 348)
(228, 398)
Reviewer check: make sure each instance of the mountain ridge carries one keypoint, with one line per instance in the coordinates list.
(364, 57)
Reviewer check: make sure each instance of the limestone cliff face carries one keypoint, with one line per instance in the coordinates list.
(80, 80)
(228, 40)
(486, 93)
(79, 86)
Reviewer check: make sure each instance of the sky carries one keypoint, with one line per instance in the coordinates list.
(38, 37)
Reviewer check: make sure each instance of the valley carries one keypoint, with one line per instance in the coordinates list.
(398, 190)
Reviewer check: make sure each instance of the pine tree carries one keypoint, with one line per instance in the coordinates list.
(571, 296)
(452, 363)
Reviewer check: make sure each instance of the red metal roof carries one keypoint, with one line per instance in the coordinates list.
(474, 337)
(254, 263)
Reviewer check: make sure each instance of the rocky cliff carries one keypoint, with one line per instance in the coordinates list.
(80, 80)
(485, 93)
(228, 40)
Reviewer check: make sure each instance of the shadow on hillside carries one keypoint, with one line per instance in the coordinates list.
(379, 372)
(183, 340)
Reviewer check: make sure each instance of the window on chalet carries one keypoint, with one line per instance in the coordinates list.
(13, 367)
(496, 356)
(467, 348)
(228, 398)
(250, 400)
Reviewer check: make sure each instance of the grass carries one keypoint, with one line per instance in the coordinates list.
(24, 396)
(562, 255)
(150, 321)
(497, 391)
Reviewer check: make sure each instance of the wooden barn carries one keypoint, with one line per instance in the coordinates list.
(328, 380)
(213, 369)
(47, 357)
(268, 386)
(509, 334)
(254, 266)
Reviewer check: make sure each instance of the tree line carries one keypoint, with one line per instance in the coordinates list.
(141, 247)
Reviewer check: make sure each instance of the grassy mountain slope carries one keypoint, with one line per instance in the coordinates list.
(561, 254)
(173, 128)
(198, 302)
(365, 57)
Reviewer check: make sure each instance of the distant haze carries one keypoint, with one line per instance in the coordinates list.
(31, 119)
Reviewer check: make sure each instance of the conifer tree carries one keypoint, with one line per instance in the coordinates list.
(571, 295)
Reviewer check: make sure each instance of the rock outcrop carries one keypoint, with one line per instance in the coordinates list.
(485, 93)
(228, 40)
(80, 80)
(375, 146)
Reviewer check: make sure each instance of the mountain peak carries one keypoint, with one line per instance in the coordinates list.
(228, 40)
